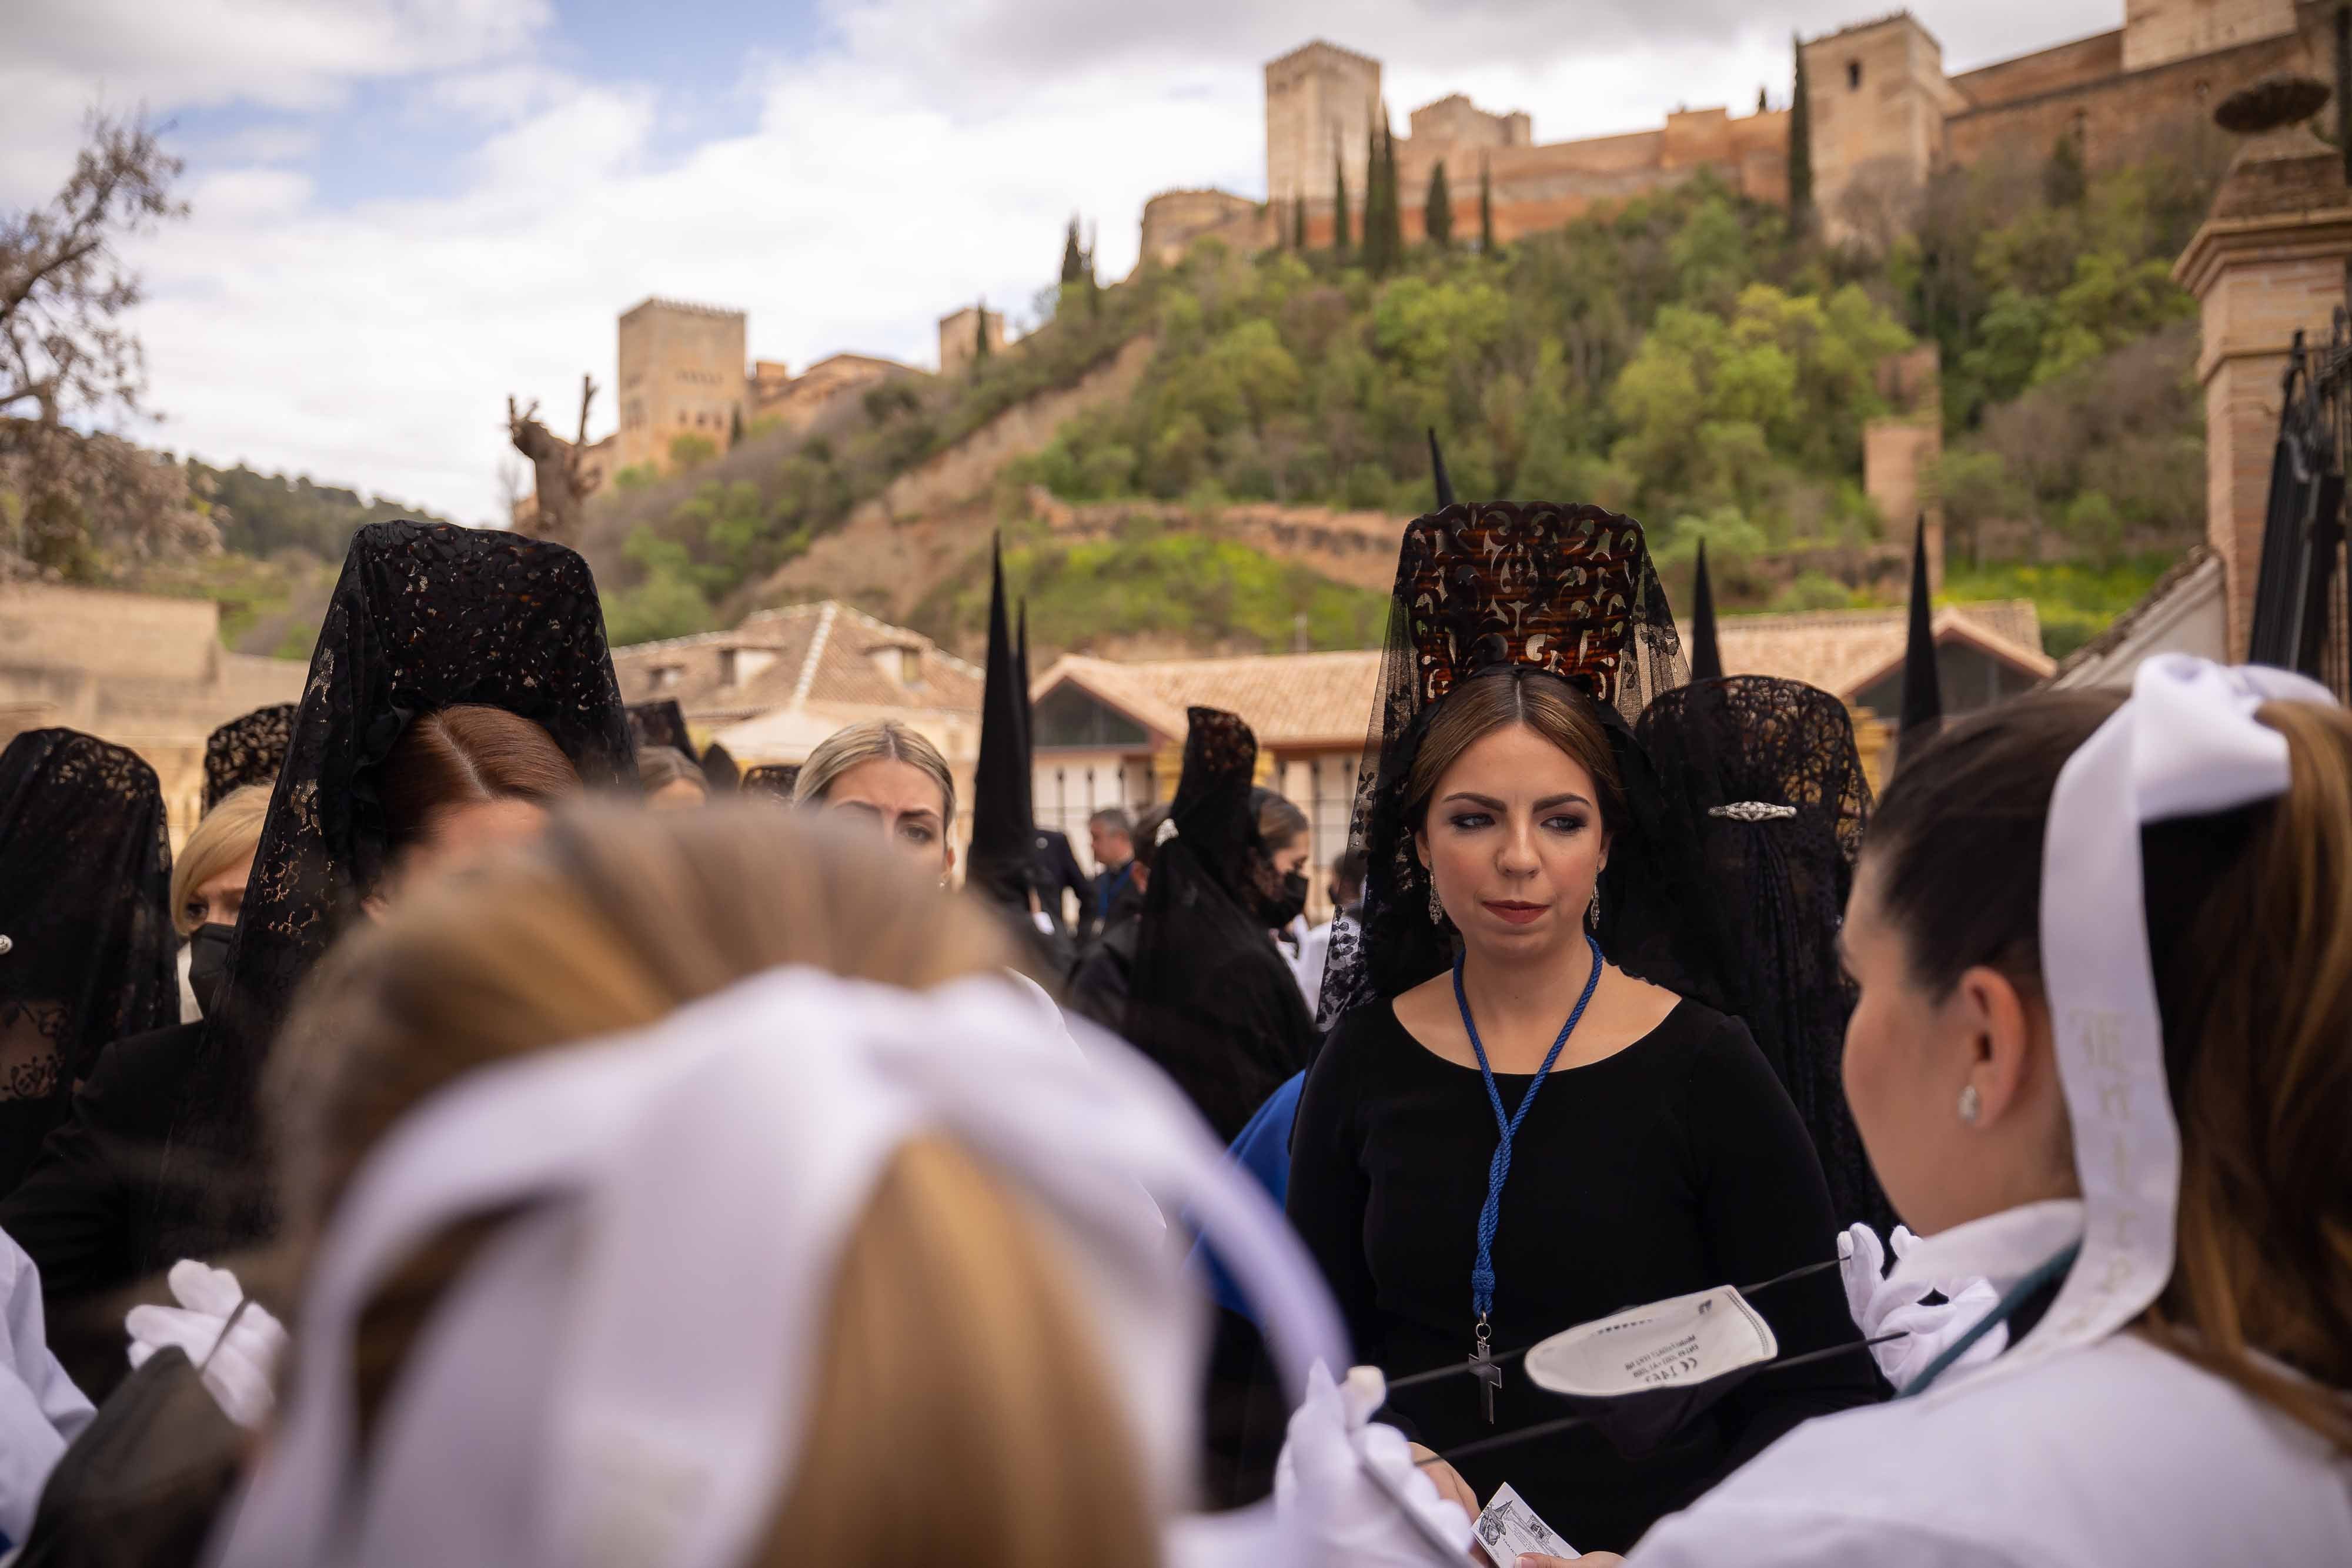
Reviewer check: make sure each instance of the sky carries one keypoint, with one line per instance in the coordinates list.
(404, 211)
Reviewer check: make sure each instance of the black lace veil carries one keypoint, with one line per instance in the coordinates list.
(247, 750)
(1566, 590)
(1768, 772)
(86, 946)
(660, 722)
(1210, 1000)
(424, 616)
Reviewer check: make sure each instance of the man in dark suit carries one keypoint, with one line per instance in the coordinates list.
(1112, 838)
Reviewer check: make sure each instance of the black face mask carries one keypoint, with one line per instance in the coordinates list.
(208, 963)
(1279, 910)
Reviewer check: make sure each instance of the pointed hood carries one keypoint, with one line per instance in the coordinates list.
(1923, 692)
(1437, 472)
(718, 769)
(1003, 834)
(1028, 722)
(1706, 653)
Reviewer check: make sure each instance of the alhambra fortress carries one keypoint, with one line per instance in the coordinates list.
(1883, 111)
(1883, 114)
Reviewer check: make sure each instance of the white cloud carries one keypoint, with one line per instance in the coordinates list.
(929, 156)
(65, 55)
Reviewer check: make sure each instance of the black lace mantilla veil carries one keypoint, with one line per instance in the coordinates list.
(1210, 1000)
(1570, 589)
(247, 750)
(661, 723)
(424, 616)
(86, 938)
(1768, 771)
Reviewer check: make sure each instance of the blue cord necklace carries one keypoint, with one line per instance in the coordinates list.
(1498, 1170)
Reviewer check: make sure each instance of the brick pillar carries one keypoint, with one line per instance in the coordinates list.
(2270, 260)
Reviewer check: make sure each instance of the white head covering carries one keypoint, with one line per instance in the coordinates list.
(2186, 744)
(622, 1375)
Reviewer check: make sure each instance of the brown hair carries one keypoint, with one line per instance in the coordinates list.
(1498, 699)
(953, 1334)
(463, 756)
(1280, 822)
(2249, 920)
(230, 832)
(659, 766)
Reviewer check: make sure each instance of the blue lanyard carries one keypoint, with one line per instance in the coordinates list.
(1498, 1169)
(2003, 1309)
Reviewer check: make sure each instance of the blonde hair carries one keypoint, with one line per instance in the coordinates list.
(229, 833)
(962, 1410)
(843, 749)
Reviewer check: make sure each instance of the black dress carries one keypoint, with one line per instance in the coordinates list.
(78, 1214)
(1675, 1165)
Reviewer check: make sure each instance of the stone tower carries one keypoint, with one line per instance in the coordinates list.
(1878, 98)
(681, 369)
(959, 335)
(1319, 102)
(2158, 32)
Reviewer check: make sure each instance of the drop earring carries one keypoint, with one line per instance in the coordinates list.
(1972, 1103)
(1592, 910)
(1436, 910)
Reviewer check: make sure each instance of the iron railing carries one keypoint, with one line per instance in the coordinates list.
(2302, 617)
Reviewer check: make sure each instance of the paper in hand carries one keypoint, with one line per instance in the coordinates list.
(1509, 1528)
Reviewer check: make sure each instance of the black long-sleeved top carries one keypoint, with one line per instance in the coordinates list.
(1675, 1165)
(80, 1213)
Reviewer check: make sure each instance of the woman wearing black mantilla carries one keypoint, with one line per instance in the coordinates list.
(1508, 1131)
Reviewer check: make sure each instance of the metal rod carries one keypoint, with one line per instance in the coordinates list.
(1546, 1428)
(1456, 1370)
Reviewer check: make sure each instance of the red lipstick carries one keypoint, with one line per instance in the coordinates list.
(1516, 913)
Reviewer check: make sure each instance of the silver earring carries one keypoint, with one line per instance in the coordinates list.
(1436, 910)
(1593, 911)
(1972, 1103)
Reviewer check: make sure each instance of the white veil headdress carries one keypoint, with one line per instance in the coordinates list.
(2187, 743)
(622, 1376)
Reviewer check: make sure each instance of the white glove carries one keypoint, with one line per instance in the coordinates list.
(1320, 1480)
(237, 1360)
(1879, 1307)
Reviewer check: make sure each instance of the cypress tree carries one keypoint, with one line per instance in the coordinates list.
(1338, 208)
(1437, 212)
(980, 344)
(1376, 231)
(1074, 264)
(1485, 208)
(1801, 147)
(2063, 182)
(1298, 223)
(735, 427)
(1391, 208)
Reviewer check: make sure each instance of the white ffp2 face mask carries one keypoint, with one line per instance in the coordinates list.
(1641, 1374)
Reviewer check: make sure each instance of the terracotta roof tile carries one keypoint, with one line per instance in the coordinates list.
(786, 658)
(1843, 651)
(1290, 700)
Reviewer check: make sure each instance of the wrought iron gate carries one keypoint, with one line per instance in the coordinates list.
(2302, 618)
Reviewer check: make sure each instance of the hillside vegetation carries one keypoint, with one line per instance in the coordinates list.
(283, 539)
(1686, 358)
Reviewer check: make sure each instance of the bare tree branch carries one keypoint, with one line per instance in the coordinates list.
(72, 504)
